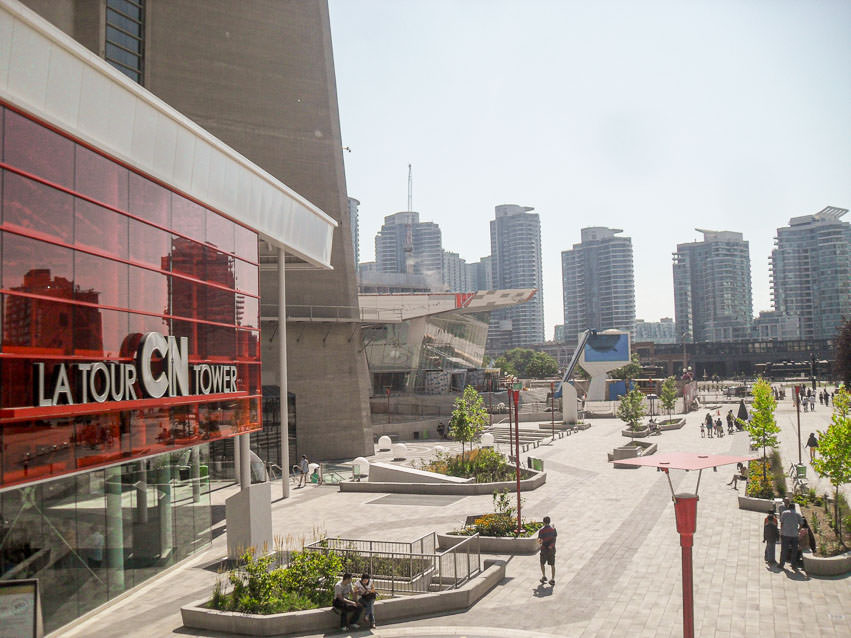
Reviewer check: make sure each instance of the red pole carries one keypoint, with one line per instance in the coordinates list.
(685, 508)
(510, 433)
(517, 448)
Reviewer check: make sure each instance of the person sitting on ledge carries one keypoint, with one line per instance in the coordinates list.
(738, 476)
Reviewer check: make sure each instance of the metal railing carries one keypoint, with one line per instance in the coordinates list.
(334, 313)
(414, 567)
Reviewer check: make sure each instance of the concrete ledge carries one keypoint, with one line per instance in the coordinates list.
(196, 616)
(673, 426)
(536, 480)
(389, 473)
(582, 426)
(756, 504)
(631, 450)
(493, 544)
(827, 566)
(636, 434)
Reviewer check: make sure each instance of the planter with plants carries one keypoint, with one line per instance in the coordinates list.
(630, 411)
(766, 482)
(765, 475)
(668, 400)
(830, 556)
(497, 531)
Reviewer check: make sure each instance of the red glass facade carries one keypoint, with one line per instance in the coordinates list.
(92, 256)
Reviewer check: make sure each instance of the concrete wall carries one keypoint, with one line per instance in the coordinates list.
(388, 473)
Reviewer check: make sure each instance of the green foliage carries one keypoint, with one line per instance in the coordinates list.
(468, 417)
(833, 460)
(631, 408)
(842, 363)
(307, 583)
(758, 487)
(763, 428)
(503, 521)
(630, 371)
(778, 475)
(526, 363)
(485, 465)
(668, 395)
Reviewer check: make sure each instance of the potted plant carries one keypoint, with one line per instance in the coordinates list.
(631, 411)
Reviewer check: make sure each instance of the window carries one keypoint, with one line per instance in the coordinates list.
(125, 37)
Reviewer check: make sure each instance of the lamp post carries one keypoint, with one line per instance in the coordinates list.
(517, 452)
(553, 408)
(798, 413)
(685, 509)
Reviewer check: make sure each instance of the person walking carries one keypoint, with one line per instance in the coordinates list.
(547, 542)
(710, 425)
(770, 535)
(304, 470)
(790, 525)
(731, 421)
(812, 443)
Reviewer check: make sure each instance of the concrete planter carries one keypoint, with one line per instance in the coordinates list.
(582, 426)
(629, 451)
(313, 621)
(756, 504)
(831, 566)
(676, 425)
(493, 544)
(636, 434)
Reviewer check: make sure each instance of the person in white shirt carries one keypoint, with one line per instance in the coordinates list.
(365, 595)
(349, 609)
(303, 467)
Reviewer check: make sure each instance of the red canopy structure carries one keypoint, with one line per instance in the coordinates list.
(685, 509)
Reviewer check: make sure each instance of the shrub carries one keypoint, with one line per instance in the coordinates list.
(757, 487)
(485, 465)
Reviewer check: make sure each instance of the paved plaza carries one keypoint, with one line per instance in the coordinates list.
(618, 567)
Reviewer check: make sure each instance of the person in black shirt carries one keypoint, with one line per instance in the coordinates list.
(547, 541)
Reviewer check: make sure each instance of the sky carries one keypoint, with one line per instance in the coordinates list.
(651, 116)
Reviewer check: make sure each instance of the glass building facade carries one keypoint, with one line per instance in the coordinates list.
(102, 486)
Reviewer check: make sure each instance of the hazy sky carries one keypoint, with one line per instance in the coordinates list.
(651, 116)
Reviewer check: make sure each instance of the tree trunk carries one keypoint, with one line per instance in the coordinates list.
(836, 514)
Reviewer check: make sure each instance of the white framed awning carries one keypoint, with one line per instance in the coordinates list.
(48, 74)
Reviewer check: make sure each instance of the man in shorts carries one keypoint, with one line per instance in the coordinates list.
(547, 542)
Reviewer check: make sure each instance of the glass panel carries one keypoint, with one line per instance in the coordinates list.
(188, 299)
(99, 333)
(245, 243)
(220, 232)
(219, 267)
(248, 345)
(141, 324)
(148, 291)
(149, 245)
(100, 228)
(36, 267)
(37, 326)
(38, 150)
(184, 517)
(187, 257)
(189, 329)
(149, 200)
(99, 280)
(16, 383)
(127, 8)
(126, 24)
(91, 532)
(98, 436)
(220, 343)
(248, 378)
(36, 207)
(36, 449)
(247, 311)
(127, 41)
(200, 476)
(221, 306)
(188, 218)
(133, 75)
(246, 276)
(117, 54)
(101, 178)
(161, 474)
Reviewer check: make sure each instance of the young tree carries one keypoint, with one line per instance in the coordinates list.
(468, 418)
(630, 371)
(834, 451)
(668, 395)
(763, 428)
(842, 364)
(631, 408)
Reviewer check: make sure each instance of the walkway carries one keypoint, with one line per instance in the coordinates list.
(619, 556)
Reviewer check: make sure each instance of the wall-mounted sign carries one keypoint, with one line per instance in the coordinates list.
(169, 373)
(20, 610)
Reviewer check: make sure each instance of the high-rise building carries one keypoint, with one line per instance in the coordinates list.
(480, 275)
(353, 222)
(712, 288)
(811, 271)
(776, 326)
(516, 263)
(455, 272)
(406, 245)
(558, 333)
(598, 283)
(662, 331)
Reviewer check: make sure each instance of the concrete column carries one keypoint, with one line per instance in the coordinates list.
(114, 530)
(282, 375)
(141, 486)
(195, 465)
(165, 510)
(244, 462)
(235, 458)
